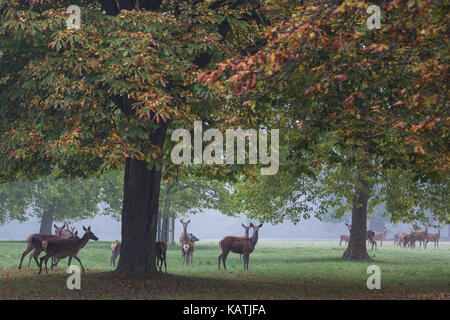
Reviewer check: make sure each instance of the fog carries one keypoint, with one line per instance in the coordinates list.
(210, 225)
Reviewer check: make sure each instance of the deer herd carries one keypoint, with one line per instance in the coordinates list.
(66, 243)
(404, 240)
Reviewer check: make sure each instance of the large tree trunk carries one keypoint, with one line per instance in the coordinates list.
(140, 213)
(356, 249)
(47, 220)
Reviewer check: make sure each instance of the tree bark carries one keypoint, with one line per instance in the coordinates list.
(356, 249)
(47, 220)
(140, 213)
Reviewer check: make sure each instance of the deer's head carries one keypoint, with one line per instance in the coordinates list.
(349, 226)
(185, 224)
(58, 230)
(246, 228)
(193, 238)
(89, 234)
(256, 228)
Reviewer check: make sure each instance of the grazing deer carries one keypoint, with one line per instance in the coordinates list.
(161, 250)
(370, 235)
(344, 238)
(241, 245)
(34, 243)
(246, 229)
(420, 236)
(380, 236)
(61, 248)
(115, 252)
(434, 237)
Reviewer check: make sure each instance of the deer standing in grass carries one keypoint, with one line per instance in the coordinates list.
(115, 252)
(62, 248)
(241, 245)
(420, 236)
(246, 234)
(188, 249)
(380, 236)
(34, 243)
(370, 235)
(434, 237)
(161, 250)
(344, 238)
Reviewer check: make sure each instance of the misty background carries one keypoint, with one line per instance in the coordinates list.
(209, 225)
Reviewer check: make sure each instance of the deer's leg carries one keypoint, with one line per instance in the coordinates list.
(79, 261)
(27, 250)
(31, 257)
(165, 264)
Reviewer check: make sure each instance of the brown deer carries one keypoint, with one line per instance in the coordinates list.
(398, 239)
(344, 238)
(61, 248)
(115, 252)
(161, 250)
(246, 234)
(434, 237)
(241, 245)
(420, 236)
(407, 240)
(380, 236)
(370, 235)
(34, 243)
(184, 236)
(188, 252)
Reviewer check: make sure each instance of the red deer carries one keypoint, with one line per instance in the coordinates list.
(398, 239)
(420, 236)
(434, 237)
(115, 250)
(241, 245)
(34, 242)
(184, 236)
(61, 248)
(161, 250)
(344, 238)
(380, 236)
(188, 252)
(370, 235)
(408, 240)
(246, 229)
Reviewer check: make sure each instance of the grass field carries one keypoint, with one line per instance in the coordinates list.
(279, 269)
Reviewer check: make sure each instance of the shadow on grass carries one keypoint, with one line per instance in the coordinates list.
(229, 285)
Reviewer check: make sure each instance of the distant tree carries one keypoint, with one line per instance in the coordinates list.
(50, 199)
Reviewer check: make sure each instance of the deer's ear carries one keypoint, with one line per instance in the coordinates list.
(56, 227)
(181, 220)
(243, 225)
(84, 228)
(260, 225)
(188, 221)
(89, 228)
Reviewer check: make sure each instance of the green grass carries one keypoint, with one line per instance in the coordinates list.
(300, 269)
